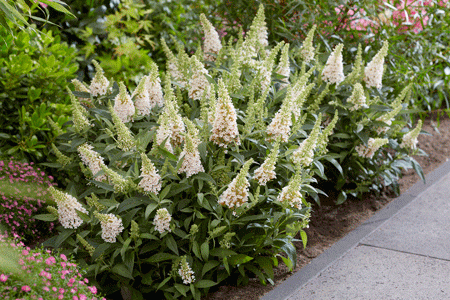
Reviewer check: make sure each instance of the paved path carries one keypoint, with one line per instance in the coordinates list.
(402, 252)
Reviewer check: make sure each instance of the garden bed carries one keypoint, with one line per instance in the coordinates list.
(329, 223)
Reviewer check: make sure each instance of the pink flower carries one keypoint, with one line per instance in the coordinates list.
(50, 261)
(83, 297)
(3, 278)
(63, 257)
(93, 289)
(26, 288)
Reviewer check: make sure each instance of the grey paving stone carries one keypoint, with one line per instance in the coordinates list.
(422, 227)
(372, 273)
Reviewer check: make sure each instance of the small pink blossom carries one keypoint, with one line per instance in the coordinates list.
(26, 288)
(3, 278)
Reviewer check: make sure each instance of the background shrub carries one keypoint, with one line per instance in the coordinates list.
(35, 69)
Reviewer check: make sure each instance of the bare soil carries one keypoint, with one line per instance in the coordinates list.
(329, 222)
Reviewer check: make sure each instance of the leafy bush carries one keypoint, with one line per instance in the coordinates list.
(23, 191)
(34, 68)
(182, 197)
(40, 274)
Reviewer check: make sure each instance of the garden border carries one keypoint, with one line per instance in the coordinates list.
(352, 239)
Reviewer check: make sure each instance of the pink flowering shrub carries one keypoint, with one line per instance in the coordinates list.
(23, 193)
(40, 274)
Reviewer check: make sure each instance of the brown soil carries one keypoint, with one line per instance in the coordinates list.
(329, 222)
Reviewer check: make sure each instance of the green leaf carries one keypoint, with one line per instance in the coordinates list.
(150, 208)
(130, 203)
(46, 217)
(418, 169)
(204, 248)
(203, 284)
(159, 257)
(183, 289)
(125, 248)
(63, 236)
(239, 259)
(170, 242)
(122, 270)
(100, 249)
(304, 237)
(266, 264)
(208, 266)
(221, 252)
(341, 198)
(178, 188)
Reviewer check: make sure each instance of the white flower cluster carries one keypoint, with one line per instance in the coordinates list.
(225, 130)
(304, 155)
(266, 171)
(186, 272)
(236, 193)
(409, 140)
(99, 84)
(92, 160)
(155, 91)
(162, 220)
(111, 226)
(123, 105)
(358, 99)
(307, 49)
(290, 194)
(163, 133)
(67, 207)
(191, 162)
(141, 98)
(281, 123)
(333, 72)
(198, 83)
(372, 146)
(151, 181)
(373, 73)
(212, 41)
(283, 67)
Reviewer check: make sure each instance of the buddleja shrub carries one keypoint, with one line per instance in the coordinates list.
(370, 144)
(188, 187)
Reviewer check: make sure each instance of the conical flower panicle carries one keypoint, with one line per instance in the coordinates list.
(80, 87)
(283, 66)
(185, 272)
(237, 192)
(225, 130)
(121, 185)
(322, 141)
(304, 155)
(67, 207)
(93, 201)
(162, 220)
(409, 140)
(125, 140)
(357, 72)
(172, 63)
(259, 27)
(191, 162)
(164, 131)
(151, 181)
(390, 116)
(357, 99)
(142, 98)
(198, 83)
(61, 158)
(372, 146)
(111, 226)
(176, 125)
(123, 105)
(211, 43)
(373, 73)
(80, 121)
(333, 72)
(99, 84)
(280, 126)
(154, 88)
(265, 69)
(92, 160)
(290, 195)
(266, 171)
(307, 49)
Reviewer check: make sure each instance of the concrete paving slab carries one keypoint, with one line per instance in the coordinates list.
(422, 227)
(369, 273)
